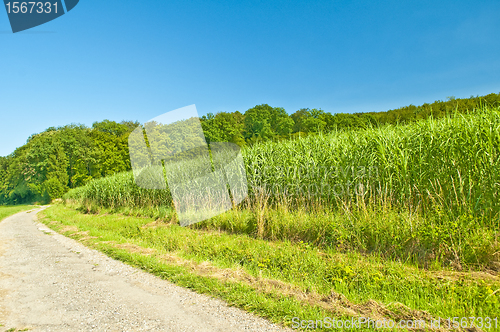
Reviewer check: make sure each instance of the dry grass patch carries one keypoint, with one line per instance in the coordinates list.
(67, 229)
(133, 248)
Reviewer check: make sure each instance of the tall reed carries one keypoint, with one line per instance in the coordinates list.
(426, 190)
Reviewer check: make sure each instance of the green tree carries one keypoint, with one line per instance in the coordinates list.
(298, 118)
(223, 127)
(77, 145)
(314, 121)
(265, 122)
(42, 159)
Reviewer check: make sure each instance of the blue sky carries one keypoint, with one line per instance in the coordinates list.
(131, 60)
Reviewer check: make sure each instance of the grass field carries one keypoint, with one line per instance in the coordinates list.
(391, 222)
(6, 211)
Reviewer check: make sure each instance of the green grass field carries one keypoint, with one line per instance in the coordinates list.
(393, 222)
(7, 211)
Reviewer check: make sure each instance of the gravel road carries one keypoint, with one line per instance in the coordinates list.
(49, 282)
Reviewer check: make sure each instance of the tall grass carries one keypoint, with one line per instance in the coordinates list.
(450, 163)
(118, 190)
(427, 189)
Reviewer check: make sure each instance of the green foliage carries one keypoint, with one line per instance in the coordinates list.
(224, 127)
(438, 109)
(265, 122)
(312, 121)
(54, 188)
(431, 185)
(75, 154)
(451, 162)
(58, 159)
(119, 190)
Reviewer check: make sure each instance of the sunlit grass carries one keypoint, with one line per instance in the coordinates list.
(425, 192)
(6, 211)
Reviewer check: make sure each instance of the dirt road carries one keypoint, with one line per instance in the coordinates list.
(52, 283)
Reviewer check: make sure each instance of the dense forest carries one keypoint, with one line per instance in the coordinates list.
(52, 162)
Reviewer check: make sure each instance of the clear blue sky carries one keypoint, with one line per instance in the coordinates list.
(134, 60)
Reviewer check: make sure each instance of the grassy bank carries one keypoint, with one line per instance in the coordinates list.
(6, 211)
(280, 279)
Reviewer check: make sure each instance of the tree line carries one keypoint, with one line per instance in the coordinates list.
(58, 159)
(264, 122)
